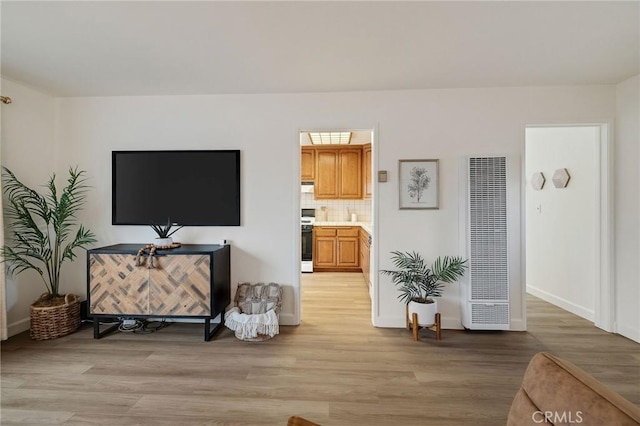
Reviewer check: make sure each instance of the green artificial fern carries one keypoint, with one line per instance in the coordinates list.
(41, 227)
(418, 282)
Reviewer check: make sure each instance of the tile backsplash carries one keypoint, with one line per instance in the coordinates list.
(337, 210)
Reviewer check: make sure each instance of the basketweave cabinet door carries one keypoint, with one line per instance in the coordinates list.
(180, 285)
(117, 285)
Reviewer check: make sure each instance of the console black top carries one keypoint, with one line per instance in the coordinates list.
(134, 248)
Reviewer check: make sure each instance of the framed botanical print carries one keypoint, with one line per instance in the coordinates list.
(418, 184)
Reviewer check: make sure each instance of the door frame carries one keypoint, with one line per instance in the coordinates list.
(297, 241)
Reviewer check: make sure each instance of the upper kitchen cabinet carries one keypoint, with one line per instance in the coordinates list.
(350, 175)
(308, 164)
(326, 185)
(338, 173)
(366, 171)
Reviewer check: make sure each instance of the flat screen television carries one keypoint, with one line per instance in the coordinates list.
(193, 188)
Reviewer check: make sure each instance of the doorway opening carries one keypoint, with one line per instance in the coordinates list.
(567, 219)
(337, 209)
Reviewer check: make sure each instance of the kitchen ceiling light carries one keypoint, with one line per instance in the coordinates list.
(326, 138)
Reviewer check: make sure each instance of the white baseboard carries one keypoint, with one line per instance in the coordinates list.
(451, 323)
(628, 332)
(18, 327)
(287, 319)
(517, 325)
(389, 322)
(448, 323)
(581, 311)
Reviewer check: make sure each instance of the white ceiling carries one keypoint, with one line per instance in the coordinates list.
(107, 48)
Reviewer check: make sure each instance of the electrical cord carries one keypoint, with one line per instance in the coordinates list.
(152, 327)
(128, 328)
(139, 326)
(142, 326)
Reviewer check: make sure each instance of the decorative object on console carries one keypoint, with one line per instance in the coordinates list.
(256, 311)
(418, 184)
(40, 227)
(164, 233)
(537, 181)
(561, 178)
(419, 284)
(151, 262)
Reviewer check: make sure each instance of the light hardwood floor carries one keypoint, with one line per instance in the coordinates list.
(335, 369)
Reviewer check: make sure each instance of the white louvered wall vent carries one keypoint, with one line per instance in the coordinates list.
(489, 314)
(488, 294)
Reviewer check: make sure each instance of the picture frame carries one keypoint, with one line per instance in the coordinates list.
(419, 183)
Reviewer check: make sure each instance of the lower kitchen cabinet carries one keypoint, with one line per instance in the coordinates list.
(324, 247)
(336, 248)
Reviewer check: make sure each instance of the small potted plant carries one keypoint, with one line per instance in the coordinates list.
(164, 233)
(41, 238)
(419, 283)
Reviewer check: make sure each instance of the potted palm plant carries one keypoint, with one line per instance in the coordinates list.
(419, 283)
(42, 236)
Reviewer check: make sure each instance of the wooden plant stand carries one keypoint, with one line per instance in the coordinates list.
(413, 324)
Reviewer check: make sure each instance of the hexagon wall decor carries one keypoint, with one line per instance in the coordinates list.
(537, 181)
(560, 178)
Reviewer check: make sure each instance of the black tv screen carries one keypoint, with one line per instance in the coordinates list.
(200, 188)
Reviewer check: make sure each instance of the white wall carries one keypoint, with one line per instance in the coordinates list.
(28, 150)
(562, 224)
(627, 213)
(446, 125)
(443, 124)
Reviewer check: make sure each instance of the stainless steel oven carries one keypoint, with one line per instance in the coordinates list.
(306, 224)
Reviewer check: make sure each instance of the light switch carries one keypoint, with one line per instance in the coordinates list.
(382, 176)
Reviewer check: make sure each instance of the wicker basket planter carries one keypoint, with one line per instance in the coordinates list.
(52, 322)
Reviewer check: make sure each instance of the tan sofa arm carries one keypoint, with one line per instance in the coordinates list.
(557, 392)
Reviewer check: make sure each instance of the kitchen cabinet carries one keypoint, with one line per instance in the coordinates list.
(365, 255)
(350, 173)
(366, 171)
(326, 185)
(336, 248)
(338, 173)
(324, 247)
(308, 164)
(347, 247)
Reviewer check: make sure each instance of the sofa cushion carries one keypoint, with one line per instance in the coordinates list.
(556, 392)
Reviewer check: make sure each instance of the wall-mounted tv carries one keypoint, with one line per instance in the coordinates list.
(193, 188)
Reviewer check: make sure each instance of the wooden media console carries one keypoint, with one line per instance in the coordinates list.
(192, 281)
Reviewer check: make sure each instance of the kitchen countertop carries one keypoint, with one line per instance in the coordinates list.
(364, 225)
